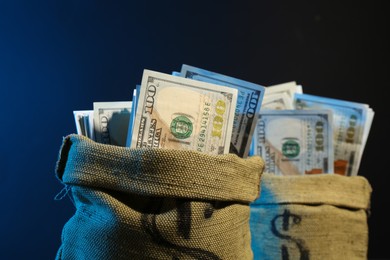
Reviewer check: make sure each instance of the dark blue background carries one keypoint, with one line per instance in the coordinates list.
(60, 56)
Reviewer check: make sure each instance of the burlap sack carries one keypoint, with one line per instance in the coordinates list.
(156, 203)
(311, 217)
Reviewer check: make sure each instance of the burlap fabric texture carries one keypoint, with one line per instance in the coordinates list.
(156, 203)
(311, 217)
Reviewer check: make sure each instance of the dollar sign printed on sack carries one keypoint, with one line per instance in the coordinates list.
(184, 216)
(288, 220)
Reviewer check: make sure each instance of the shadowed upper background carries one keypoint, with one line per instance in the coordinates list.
(60, 56)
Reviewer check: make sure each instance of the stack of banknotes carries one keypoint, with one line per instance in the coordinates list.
(197, 109)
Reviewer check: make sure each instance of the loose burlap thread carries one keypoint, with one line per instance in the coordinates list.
(156, 203)
(311, 217)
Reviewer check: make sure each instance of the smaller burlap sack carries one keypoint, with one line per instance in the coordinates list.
(320, 216)
(155, 203)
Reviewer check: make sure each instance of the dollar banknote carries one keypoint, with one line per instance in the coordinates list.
(179, 113)
(295, 142)
(84, 123)
(351, 125)
(111, 122)
(249, 101)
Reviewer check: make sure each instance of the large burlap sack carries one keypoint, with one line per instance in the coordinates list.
(156, 203)
(311, 217)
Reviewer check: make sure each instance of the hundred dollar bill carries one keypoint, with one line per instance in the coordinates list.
(84, 123)
(249, 101)
(295, 142)
(111, 122)
(178, 113)
(350, 129)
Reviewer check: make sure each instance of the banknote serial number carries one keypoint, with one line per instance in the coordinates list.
(217, 125)
(203, 127)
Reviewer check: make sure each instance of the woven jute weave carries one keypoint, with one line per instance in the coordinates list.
(156, 203)
(311, 217)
